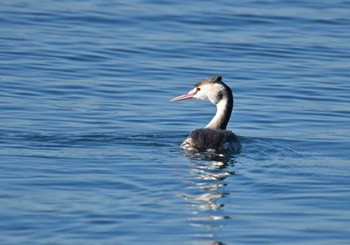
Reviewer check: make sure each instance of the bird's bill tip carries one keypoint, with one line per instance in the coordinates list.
(182, 97)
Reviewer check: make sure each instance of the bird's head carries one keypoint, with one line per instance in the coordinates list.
(212, 89)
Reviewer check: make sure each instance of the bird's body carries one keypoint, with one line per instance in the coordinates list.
(214, 136)
(203, 139)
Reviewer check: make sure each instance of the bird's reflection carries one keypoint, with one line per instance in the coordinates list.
(205, 193)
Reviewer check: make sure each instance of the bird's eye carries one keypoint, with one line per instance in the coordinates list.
(198, 89)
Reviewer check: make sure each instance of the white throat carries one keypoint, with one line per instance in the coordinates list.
(220, 118)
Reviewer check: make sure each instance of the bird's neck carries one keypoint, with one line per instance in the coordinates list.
(223, 114)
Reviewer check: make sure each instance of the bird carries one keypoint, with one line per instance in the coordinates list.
(215, 136)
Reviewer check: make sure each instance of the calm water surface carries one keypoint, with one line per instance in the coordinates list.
(89, 143)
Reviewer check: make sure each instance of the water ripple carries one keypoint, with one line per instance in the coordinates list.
(90, 143)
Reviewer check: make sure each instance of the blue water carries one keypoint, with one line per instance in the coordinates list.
(89, 143)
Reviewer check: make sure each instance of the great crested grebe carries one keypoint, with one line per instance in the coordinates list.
(214, 136)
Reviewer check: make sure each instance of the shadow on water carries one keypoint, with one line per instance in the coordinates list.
(205, 193)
